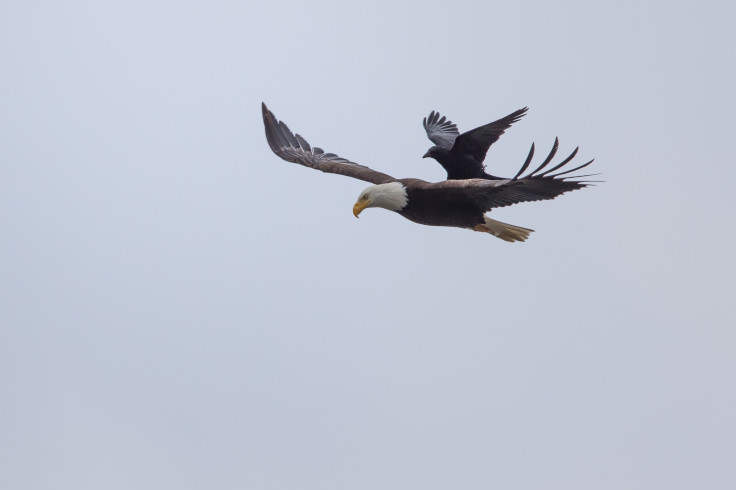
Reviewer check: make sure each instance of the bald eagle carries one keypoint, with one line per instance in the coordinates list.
(456, 203)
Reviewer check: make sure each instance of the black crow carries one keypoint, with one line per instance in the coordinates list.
(462, 155)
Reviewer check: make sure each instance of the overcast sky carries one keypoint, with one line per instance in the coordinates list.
(179, 308)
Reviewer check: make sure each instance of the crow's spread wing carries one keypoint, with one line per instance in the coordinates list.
(539, 185)
(476, 142)
(440, 131)
(293, 148)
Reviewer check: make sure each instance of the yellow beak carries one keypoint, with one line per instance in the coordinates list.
(360, 206)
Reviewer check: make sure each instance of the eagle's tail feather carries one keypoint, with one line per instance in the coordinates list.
(505, 231)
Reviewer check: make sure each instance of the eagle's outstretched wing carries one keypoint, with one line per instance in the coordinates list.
(539, 185)
(293, 148)
(441, 131)
(475, 143)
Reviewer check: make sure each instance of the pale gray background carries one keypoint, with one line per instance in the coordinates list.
(182, 309)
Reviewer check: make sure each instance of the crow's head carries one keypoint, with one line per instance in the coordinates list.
(435, 152)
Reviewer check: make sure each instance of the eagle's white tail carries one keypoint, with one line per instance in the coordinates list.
(504, 231)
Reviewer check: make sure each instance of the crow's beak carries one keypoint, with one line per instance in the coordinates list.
(426, 155)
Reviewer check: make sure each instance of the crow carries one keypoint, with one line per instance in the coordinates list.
(462, 155)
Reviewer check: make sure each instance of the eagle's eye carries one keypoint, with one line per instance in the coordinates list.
(365, 197)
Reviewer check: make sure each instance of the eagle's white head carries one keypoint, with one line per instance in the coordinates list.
(391, 196)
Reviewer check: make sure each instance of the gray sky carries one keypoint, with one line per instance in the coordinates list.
(181, 309)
